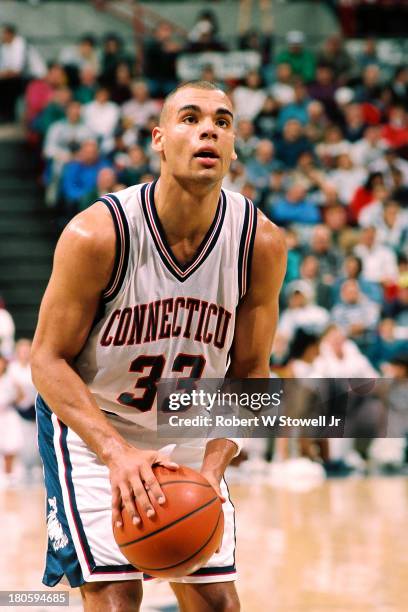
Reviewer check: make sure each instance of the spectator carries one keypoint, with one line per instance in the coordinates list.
(301, 60)
(265, 122)
(86, 90)
(395, 132)
(317, 122)
(122, 82)
(365, 194)
(308, 174)
(253, 40)
(387, 345)
(397, 309)
(346, 178)
(303, 351)
(333, 145)
(387, 165)
(40, 92)
(323, 89)
(310, 273)
(340, 357)
(282, 89)
(249, 98)
(54, 111)
(399, 189)
(135, 166)
(298, 109)
(379, 261)
(159, 54)
(245, 140)
(371, 88)
(356, 315)
(11, 439)
(7, 331)
(20, 373)
(343, 236)
(101, 117)
(370, 148)
(335, 55)
(391, 223)
(354, 123)
(112, 56)
(294, 255)
(292, 143)
(368, 55)
(63, 140)
(204, 34)
(141, 106)
(13, 51)
(236, 177)
(259, 169)
(79, 176)
(321, 246)
(351, 270)
(399, 86)
(295, 207)
(301, 312)
(84, 53)
(106, 182)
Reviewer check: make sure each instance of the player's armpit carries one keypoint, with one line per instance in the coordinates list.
(257, 315)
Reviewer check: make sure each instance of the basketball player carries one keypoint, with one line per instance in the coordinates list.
(175, 278)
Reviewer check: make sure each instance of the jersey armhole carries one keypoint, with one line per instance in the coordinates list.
(121, 225)
(246, 247)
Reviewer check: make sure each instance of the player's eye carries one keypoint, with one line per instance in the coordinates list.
(189, 119)
(223, 122)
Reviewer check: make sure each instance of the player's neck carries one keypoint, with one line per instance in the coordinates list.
(185, 213)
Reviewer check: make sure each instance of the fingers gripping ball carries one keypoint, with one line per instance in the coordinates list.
(183, 534)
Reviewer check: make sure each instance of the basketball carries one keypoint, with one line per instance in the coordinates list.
(185, 531)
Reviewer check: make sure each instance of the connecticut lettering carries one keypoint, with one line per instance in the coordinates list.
(170, 318)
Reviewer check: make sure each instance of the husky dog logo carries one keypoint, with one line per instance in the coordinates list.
(55, 532)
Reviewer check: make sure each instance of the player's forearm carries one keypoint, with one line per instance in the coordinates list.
(72, 402)
(218, 455)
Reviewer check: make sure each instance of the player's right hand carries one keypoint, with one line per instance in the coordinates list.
(134, 485)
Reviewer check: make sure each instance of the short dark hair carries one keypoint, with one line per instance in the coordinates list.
(195, 84)
(10, 27)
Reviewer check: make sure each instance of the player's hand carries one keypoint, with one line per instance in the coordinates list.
(134, 485)
(214, 481)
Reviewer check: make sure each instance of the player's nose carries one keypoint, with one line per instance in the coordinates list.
(208, 129)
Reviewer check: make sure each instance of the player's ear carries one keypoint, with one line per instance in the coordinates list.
(234, 156)
(157, 139)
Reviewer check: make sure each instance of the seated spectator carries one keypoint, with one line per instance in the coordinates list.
(262, 42)
(399, 86)
(84, 53)
(39, 92)
(308, 174)
(387, 344)
(351, 270)
(292, 143)
(317, 122)
(282, 89)
(298, 109)
(141, 106)
(379, 261)
(54, 111)
(365, 194)
(245, 140)
(356, 315)
(236, 177)
(340, 357)
(303, 351)
(354, 123)
(294, 255)
(265, 122)
(204, 34)
(370, 148)
(388, 163)
(301, 60)
(136, 165)
(7, 330)
(344, 237)
(321, 246)
(250, 97)
(106, 182)
(323, 88)
(334, 54)
(395, 132)
(79, 177)
(259, 168)
(369, 55)
(294, 207)
(301, 312)
(310, 273)
(370, 88)
(159, 60)
(346, 178)
(112, 56)
(333, 145)
(101, 117)
(13, 51)
(397, 309)
(63, 140)
(122, 82)
(88, 85)
(391, 223)
(399, 189)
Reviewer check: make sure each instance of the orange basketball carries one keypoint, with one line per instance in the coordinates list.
(185, 531)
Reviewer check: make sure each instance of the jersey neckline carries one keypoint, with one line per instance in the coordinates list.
(179, 270)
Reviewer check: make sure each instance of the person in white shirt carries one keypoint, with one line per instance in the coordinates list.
(11, 439)
(379, 262)
(101, 117)
(346, 178)
(370, 148)
(13, 51)
(249, 98)
(391, 222)
(19, 372)
(7, 330)
(138, 110)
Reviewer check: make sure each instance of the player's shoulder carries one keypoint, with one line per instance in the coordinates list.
(270, 241)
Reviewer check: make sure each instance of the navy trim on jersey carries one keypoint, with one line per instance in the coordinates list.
(246, 246)
(122, 246)
(180, 271)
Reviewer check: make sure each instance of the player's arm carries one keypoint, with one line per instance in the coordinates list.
(255, 327)
(83, 265)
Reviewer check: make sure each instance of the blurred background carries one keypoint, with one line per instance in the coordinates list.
(320, 91)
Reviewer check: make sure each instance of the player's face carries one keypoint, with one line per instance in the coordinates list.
(196, 137)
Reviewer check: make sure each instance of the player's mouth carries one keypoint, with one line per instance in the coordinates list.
(208, 157)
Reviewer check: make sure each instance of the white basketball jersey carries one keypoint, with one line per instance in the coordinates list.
(159, 318)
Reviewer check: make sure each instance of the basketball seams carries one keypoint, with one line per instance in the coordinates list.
(179, 520)
(198, 484)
